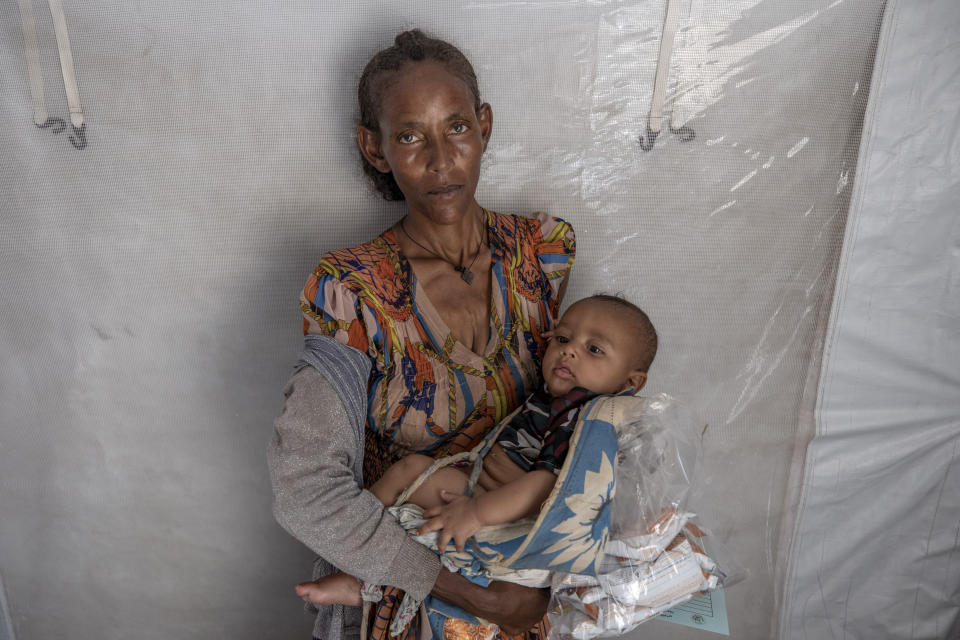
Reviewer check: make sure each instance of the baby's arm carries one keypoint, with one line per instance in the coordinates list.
(461, 517)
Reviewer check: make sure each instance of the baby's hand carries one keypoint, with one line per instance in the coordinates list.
(457, 520)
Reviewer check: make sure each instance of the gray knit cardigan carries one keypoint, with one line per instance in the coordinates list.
(316, 462)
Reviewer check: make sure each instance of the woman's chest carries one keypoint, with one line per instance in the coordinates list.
(435, 392)
(457, 303)
(463, 353)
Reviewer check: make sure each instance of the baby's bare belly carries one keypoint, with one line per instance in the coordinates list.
(498, 469)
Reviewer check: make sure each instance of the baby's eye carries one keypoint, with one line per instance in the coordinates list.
(595, 349)
(561, 339)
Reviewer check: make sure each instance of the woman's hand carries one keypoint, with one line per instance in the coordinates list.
(458, 519)
(512, 607)
(516, 608)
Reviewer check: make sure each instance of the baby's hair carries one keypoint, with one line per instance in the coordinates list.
(409, 46)
(646, 334)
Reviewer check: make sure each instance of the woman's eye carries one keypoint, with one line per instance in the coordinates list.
(406, 138)
(595, 349)
(459, 127)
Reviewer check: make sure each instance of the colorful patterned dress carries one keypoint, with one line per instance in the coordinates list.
(428, 393)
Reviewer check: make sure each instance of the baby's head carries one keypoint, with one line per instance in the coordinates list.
(602, 343)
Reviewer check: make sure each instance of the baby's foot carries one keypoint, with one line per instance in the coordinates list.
(339, 588)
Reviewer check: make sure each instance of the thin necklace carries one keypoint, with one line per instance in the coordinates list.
(465, 273)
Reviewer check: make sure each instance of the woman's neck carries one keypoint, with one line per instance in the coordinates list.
(456, 242)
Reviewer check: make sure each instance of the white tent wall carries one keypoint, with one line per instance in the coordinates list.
(876, 551)
(150, 279)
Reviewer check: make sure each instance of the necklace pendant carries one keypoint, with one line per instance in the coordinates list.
(465, 274)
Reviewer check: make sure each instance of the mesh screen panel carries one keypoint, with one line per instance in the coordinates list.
(150, 279)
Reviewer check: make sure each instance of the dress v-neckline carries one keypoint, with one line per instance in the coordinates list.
(434, 323)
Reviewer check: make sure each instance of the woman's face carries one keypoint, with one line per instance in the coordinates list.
(431, 138)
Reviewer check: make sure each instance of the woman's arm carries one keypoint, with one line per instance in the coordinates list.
(318, 501)
(310, 460)
(514, 608)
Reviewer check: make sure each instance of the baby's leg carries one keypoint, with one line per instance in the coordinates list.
(449, 479)
(339, 588)
(405, 471)
(398, 477)
(342, 588)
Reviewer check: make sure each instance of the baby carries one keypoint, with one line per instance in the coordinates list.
(602, 345)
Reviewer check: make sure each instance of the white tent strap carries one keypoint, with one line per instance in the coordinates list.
(655, 121)
(66, 63)
(33, 61)
(656, 118)
(688, 70)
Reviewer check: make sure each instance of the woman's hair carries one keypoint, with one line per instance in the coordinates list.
(409, 46)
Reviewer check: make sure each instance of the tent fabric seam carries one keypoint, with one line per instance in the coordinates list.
(877, 83)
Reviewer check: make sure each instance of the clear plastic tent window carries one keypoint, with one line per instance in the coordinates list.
(173, 171)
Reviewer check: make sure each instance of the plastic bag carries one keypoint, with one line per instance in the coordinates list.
(656, 557)
(659, 450)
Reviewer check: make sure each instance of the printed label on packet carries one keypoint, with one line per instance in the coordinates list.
(708, 612)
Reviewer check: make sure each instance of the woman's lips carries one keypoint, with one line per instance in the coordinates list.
(445, 191)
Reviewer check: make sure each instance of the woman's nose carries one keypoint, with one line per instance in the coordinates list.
(441, 157)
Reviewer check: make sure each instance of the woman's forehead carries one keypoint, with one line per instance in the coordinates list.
(422, 79)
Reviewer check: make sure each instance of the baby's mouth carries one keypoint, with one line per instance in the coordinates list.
(563, 372)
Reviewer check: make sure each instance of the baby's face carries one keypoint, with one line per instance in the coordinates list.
(592, 347)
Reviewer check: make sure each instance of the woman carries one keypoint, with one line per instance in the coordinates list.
(418, 341)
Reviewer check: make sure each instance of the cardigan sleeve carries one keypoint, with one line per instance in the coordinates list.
(317, 498)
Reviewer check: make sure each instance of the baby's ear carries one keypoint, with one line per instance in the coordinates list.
(637, 379)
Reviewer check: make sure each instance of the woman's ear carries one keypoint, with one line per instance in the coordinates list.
(369, 143)
(485, 117)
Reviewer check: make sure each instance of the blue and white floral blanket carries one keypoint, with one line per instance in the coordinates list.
(570, 533)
